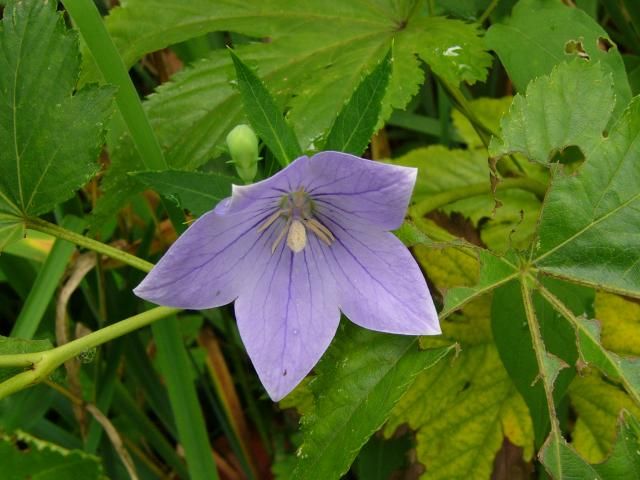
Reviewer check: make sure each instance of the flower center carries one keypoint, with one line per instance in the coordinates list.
(296, 208)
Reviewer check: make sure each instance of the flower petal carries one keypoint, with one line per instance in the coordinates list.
(288, 318)
(380, 285)
(210, 262)
(369, 191)
(270, 190)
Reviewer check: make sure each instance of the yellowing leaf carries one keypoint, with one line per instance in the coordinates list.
(462, 409)
(620, 321)
(598, 405)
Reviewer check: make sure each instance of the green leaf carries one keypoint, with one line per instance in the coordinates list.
(515, 345)
(570, 106)
(494, 271)
(197, 192)
(12, 346)
(264, 115)
(360, 379)
(586, 232)
(541, 34)
(358, 119)
(624, 461)
(24, 456)
(51, 137)
(562, 461)
(312, 63)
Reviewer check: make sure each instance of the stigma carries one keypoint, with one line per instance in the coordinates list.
(295, 217)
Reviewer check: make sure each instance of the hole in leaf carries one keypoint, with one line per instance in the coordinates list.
(575, 47)
(569, 155)
(604, 44)
(22, 446)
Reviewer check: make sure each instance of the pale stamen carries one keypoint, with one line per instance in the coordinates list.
(297, 237)
(280, 236)
(269, 221)
(297, 209)
(322, 232)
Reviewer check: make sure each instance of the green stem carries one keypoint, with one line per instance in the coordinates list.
(41, 364)
(88, 20)
(484, 131)
(485, 15)
(441, 199)
(115, 253)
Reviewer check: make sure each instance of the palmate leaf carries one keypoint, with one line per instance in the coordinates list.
(312, 62)
(24, 456)
(50, 136)
(541, 34)
(359, 381)
(462, 409)
(588, 234)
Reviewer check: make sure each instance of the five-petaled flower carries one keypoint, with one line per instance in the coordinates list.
(293, 251)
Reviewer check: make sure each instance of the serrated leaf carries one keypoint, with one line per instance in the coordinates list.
(589, 229)
(356, 122)
(462, 409)
(264, 115)
(197, 192)
(24, 456)
(541, 34)
(12, 346)
(359, 380)
(598, 405)
(312, 63)
(570, 106)
(50, 136)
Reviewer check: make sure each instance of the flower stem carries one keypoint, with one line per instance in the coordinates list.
(441, 199)
(41, 364)
(115, 253)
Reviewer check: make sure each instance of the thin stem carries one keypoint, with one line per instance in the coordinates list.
(489, 10)
(41, 364)
(115, 253)
(540, 352)
(441, 199)
(484, 131)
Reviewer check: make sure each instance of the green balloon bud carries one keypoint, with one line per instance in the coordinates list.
(243, 147)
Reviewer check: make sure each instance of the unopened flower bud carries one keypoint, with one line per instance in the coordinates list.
(243, 147)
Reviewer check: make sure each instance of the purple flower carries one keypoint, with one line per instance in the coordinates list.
(295, 249)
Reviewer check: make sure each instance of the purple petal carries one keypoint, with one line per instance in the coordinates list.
(380, 285)
(288, 317)
(210, 262)
(270, 190)
(366, 190)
